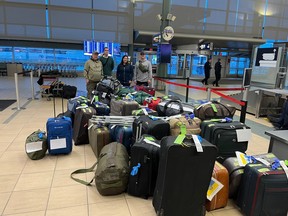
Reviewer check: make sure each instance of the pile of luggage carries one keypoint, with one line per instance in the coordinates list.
(184, 156)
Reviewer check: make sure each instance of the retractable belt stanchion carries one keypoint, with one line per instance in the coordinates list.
(32, 85)
(166, 89)
(17, 93)
(209, 94)
(244, 108)
(187, 89)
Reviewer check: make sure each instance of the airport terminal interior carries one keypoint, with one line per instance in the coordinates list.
(38, 36)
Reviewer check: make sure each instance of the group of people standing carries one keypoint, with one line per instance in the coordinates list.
(95, 68)
(217, 68)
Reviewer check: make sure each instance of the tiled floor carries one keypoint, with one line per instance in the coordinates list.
(44, 187)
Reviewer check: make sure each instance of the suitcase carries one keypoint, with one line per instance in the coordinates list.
(121, 134)
(123, 107)
(214, 110)
(151, 125)
(69, 114)
(146, 89)
(152, 102)
(183, 177)
(77, 101)
(80, 130)
(102, 109)
(263, 191)
(224, 136)
(144, 111)
(144, 167)
(69, 91)
(98, 137)
(220, 200)
(103, 97)
(191, 125)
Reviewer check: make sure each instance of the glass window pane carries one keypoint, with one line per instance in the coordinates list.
(6, 54)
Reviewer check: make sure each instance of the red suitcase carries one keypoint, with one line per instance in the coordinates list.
(152, 102)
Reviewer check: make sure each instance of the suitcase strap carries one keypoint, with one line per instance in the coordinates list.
(91, 169)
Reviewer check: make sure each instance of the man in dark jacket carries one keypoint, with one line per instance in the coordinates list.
(217, 69)
(207, 68)
(107, 62)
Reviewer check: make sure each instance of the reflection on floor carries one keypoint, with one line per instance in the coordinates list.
(44, 187)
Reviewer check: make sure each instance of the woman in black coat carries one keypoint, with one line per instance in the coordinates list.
(125, 72)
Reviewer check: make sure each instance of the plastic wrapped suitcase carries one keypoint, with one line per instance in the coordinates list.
(146, 89)
(191, 125)
(121, 134)
(263, 191)
(220, 200)
(151, 125)
(183, 177)
(98, 137)
(59, 135)
(224, 136)
(144, 166)
(80, 129)
(123, 107)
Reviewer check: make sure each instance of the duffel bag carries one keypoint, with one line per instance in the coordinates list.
(214, 110)
(111, 175)
(169, 108)
(109, 85)
(36, 145)
(185, 125)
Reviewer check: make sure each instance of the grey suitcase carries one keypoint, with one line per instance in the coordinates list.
(123, 107)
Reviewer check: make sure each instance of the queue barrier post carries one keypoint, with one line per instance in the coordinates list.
(187, 89)
(209, 94)
(244, 108)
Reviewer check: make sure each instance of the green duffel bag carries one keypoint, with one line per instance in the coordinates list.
(140, 96)
(36, 145)
(111, 175)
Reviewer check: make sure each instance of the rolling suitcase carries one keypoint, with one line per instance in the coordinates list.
(98, 137)
(123, 107)
(184, 176)
(80, 130)
(121, 134)
(263, 191)
(224, 136)
(151, 125)
(143, 166)
(59, 134)
(220, 200)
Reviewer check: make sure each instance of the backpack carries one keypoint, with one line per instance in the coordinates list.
(36, 145)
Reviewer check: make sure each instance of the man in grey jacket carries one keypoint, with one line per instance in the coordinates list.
(143, 71)
(93, 72)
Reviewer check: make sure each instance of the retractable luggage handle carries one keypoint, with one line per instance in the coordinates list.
(54, 103)
(138, 131)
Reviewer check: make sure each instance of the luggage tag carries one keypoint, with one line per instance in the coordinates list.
(151, 143)
(183, 129)
(243, 135)
(197, 140)
(104, 94)
(242, 160)
(214, 187)
(285, 168)
(145, 111)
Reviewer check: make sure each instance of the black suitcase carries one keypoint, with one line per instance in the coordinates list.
(69, 91)
(224, 136)
(80, 129)
(263, 191)
(183, 177)
(144, 166)
(151, 125)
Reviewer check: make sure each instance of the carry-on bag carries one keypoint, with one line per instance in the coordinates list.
(75, 102)
(98, 137)
(140, 96)
(150, 125)
(121, 134)
(80, 129)
(69, 91)
(36, 145)
(144, 111)
(146, 89)
(123, 107)
(59, 133)
(101, 108)
(152, 102)
(144, 166)
(103, 97)
(184, 176)
(263, 190)
(223, 134)
(111, 176)
(189, 124)
(220, 199)
(169, 108)
(108, 85)
(214, 110)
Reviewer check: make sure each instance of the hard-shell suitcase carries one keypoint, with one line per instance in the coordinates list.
(121, 134)
(214, 110)
(80, 130)
(59, 135)
(123, 107)
(146, 89)
(184, 176)
(224, 136)
(263, 191)
(144, 166)
(152, 102)
(220, 200)
(191, 125)
(151, 125)
(98, 137)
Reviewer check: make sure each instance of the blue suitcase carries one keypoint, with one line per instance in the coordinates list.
(59, 135)
(121, 134)
(102, 109)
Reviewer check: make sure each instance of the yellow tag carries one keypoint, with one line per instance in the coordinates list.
(263, 170)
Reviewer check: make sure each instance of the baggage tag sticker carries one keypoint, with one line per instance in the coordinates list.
(57, 143)
(214, 187)
(243, 135)
(179, 139)
(145, 111)
(33, 146)
(197, 142)
(104, 94)
(151, 143)
(241, 158)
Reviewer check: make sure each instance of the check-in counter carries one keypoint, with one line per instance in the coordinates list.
(14, 67)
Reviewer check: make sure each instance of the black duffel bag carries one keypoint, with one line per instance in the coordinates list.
(169, 108)
(108, 85)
